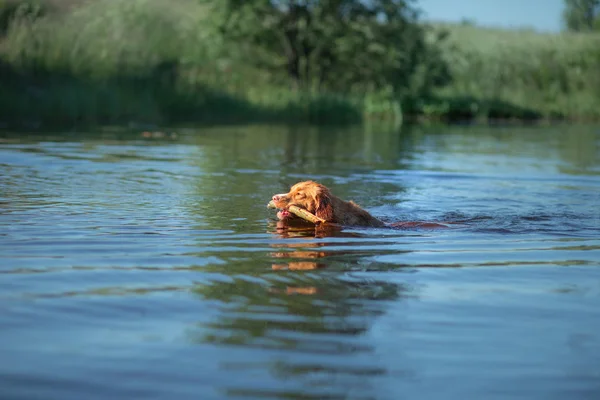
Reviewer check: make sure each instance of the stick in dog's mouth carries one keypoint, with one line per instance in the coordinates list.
(299, 212)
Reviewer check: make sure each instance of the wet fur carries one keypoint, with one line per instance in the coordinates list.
(319, 200)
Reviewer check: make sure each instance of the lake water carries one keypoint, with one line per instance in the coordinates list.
(147, 266)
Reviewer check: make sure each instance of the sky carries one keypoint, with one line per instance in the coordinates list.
(541, 15)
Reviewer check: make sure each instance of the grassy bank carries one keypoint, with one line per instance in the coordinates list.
(519, 74)
(143, 61)
(33, 98)
(150, 61)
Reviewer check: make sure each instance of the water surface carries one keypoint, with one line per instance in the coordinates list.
(148, 265)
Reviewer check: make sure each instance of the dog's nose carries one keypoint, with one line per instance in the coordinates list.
(276, 197)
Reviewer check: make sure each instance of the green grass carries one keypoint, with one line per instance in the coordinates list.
(519, 74)
(151, 61)
(146, 61)
(66, 100)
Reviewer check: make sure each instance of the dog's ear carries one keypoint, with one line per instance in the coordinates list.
(324, 208)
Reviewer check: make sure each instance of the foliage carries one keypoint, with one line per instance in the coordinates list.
(347, 46)
(582, 15)
(11, 10)
(518, 73)
(102, 38)
(169, 53)
(117, 61)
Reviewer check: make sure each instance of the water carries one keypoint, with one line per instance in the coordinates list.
(149, 267)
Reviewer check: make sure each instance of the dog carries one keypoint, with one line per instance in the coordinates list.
(318, 200)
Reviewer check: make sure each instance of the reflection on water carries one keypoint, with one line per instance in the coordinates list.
(300, 317)
(148, 266)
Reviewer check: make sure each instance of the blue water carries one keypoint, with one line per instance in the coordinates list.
(149, 267)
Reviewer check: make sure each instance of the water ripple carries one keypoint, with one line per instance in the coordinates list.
(134, 267)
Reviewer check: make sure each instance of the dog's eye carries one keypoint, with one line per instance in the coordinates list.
(300, 195)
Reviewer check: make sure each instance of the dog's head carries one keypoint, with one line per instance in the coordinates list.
(312, 196)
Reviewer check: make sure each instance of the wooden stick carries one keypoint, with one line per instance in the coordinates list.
(300, 212)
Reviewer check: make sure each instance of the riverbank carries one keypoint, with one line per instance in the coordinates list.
(131, 63)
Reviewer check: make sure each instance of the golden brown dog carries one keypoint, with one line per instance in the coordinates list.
(319, 200)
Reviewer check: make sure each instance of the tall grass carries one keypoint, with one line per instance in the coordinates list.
(154, 61)
(150, 61)
(501, 73)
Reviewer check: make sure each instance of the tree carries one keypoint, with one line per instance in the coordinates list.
(582, 15)
(342, 45)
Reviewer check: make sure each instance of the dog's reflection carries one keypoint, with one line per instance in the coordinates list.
(294, 255)
(297, 227)
(300, 260)
(305, 262)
